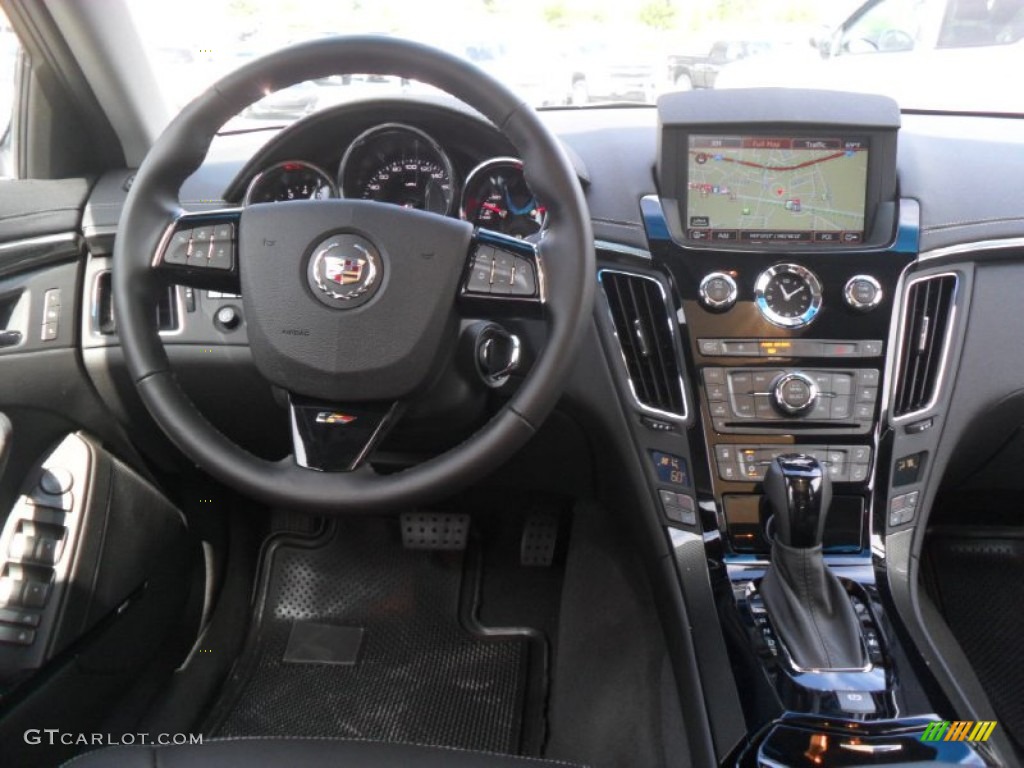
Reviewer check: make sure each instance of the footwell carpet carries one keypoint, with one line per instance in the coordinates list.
(420, 675)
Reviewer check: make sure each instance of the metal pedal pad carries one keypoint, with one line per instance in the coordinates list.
(540, 536)
(432, 530)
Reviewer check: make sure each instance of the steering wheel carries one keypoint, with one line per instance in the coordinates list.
(351, 306)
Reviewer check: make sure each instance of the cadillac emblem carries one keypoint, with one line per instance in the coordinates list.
(344, 268)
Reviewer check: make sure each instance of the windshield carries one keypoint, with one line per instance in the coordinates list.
(928, 54)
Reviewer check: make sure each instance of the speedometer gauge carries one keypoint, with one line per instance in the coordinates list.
(290, 180)
(398, 164)
(497, 197)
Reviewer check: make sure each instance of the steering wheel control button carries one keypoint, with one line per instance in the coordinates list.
(179, 248)
(56, 480)
(862, 293)
(228, 318)
(788, 295)
(795, 393)
(496, 272)
(345, 271)
(718, 291)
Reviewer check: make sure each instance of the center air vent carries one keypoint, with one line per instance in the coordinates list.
(644, 329)
(927, 326)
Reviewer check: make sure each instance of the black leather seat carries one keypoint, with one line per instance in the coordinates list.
(300, 753)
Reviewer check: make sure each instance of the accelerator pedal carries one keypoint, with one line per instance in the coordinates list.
(540, 537)
(434, 530)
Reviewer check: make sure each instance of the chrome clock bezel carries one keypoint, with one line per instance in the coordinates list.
(773, 317)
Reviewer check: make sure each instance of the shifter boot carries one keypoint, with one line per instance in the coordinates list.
(810, 610)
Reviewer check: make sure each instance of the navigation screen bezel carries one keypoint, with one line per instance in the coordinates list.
(767, 112)
(760, 237)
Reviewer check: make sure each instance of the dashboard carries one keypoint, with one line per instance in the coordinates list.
(862, 335)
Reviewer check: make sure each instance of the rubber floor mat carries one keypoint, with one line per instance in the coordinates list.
(421, 675)
(981, 591)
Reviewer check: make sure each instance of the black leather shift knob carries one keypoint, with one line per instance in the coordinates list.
(799, 492)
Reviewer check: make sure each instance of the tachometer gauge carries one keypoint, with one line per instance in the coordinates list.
(497, 197)
(398, 164)
(290, 180)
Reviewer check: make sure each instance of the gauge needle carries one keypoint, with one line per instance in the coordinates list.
(530, 205)
(494, 208)
(788, 296)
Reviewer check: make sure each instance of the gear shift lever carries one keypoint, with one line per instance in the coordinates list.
(805, 601)
(799, 493)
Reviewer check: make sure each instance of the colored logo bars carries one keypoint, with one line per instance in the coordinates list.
(959, 730)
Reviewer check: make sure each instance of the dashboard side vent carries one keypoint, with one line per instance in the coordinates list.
(103, 308)
(644, 328)
(927, 327)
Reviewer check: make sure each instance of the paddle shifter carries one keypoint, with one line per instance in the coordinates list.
(809, 608)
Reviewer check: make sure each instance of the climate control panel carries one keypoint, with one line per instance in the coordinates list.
(742, 399)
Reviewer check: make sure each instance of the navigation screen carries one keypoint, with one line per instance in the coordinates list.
(761, 189)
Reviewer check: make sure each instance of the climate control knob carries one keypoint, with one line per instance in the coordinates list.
(794, 393)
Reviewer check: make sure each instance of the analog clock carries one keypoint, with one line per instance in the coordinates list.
(788, 295)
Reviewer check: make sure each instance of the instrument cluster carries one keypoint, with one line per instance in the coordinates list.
(403, 165)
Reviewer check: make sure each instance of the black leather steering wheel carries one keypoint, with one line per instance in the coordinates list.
(350, 305)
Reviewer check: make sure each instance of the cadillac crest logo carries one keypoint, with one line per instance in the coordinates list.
(344, 269)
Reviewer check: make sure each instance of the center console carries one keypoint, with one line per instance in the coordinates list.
(786, 245)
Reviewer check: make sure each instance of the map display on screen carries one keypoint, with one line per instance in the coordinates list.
(768, 189)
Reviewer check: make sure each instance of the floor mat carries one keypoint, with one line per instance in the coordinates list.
(421, 675)
(981, 590)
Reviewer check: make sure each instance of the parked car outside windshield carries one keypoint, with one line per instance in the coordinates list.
(933, 54)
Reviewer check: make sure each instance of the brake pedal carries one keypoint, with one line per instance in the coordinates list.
(540, 537)
(432, 530)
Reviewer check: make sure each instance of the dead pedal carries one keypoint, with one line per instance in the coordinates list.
(540, 537)
(432, 530)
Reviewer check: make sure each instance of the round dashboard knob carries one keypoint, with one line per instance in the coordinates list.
(718, 291)
(794, 393)
(862, 292)
(228, 318)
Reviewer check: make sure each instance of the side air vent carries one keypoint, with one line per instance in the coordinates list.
(103, 321)
(927, 327)
(645, 330)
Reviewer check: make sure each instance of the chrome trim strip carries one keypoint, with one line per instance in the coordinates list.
(968, 248)
(947, 343)
(623, 250)
(673, 332)
(870, 749)
(28, 242)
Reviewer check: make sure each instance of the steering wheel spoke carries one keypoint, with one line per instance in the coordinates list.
(504, 276)
(200, 250)
(331, 437)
